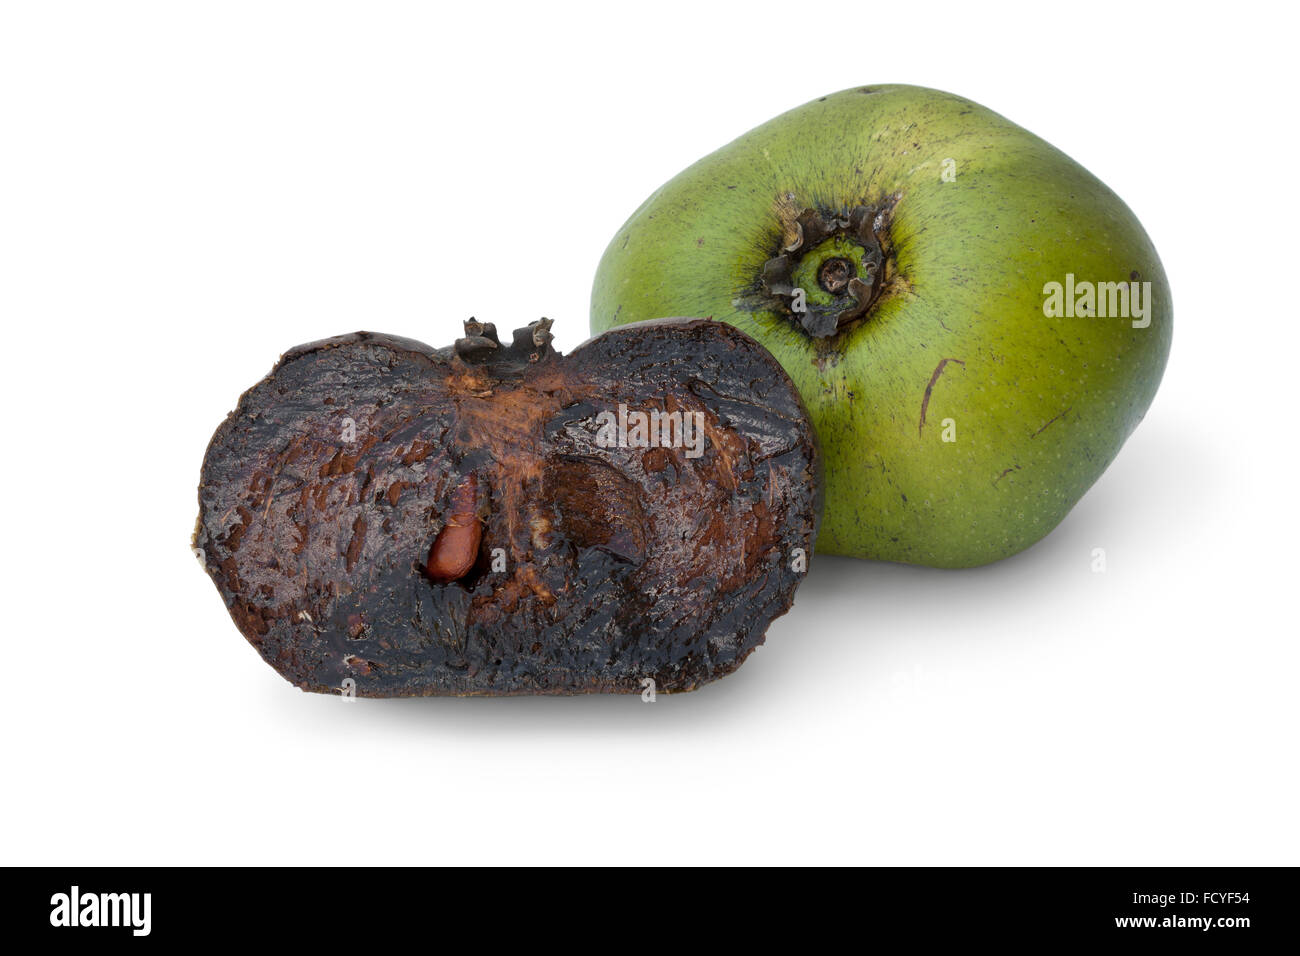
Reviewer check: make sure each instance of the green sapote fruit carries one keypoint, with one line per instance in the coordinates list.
(975, 322)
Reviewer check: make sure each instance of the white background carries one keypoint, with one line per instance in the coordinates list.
(188, 190)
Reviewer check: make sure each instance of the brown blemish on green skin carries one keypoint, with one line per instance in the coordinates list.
(929, 388)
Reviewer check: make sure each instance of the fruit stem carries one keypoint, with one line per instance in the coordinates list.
(835, 274)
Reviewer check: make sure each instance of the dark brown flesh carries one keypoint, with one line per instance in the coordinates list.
(391, 520)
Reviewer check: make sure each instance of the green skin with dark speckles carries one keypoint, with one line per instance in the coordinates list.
(1039, 406)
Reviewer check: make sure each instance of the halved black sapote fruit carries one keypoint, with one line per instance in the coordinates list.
(390, 520)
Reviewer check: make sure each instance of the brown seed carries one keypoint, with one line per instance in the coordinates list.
(455, 549)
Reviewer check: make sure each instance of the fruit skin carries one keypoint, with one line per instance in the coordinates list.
(1040, 405)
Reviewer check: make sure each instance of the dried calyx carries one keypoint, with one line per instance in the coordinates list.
(480, 342)
(831, 267)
